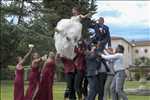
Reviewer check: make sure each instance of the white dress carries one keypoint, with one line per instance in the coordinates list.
(71, 29)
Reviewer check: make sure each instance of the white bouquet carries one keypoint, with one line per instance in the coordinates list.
(30, 45)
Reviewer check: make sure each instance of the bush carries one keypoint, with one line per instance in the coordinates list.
(137, 76)
(7, 74)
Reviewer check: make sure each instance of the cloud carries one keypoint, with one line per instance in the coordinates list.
(126, 17)
(110, 13)
(129, 11)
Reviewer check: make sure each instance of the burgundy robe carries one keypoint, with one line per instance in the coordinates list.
(19, 84)
(69, 65)
(79, 60)
(45, 91)
(34, 78)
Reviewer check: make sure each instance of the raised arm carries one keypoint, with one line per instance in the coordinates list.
(45, 63)
(106, 52)
(109, 38)
(109, 57)
(25, 57)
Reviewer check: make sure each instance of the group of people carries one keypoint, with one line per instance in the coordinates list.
(40, 78)
(91, 73)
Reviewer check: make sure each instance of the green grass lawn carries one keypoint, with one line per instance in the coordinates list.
(6, 91)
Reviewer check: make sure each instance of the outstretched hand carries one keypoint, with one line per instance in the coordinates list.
(29, 52)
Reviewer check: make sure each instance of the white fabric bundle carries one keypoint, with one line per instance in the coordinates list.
(67, 35)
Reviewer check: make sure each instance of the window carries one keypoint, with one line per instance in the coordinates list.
(136, 51)
(145, 50)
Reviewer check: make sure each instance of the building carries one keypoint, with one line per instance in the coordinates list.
(141, 49)
(133, 49)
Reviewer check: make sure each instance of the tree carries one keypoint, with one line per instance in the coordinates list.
(62, 9)
(15, 37)
(34, 22)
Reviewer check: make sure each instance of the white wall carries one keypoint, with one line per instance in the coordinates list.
(127, 53)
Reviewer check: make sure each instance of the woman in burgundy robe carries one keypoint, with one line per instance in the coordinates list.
(34, 77)
(19, 78)
(45, 89)
(80, 65)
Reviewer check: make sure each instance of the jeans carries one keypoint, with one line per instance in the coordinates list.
(101, 83)
(117, 86)
(92, 81)
(107, 87)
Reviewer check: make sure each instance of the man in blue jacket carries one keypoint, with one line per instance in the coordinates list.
(102, 37)
(102, 33)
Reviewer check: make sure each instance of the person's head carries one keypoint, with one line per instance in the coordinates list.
(93, 46)
(101, 20)
(110, 50)
(120, 49)
(81, 43)
(35, 55)
(75, 11)
(18, 59)
(51, 55)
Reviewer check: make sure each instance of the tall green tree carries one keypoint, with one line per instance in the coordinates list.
(63, 8)
(17, 33)
(33, 22)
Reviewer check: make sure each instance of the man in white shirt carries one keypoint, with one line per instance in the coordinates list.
(119, 78)
(110, 75)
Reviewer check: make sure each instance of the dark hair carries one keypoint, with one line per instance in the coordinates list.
(120, 48)
(101, 18)
(34, 54)
(76, 8)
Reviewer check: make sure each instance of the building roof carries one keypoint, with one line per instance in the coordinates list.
(141, 43)
(133, 42)
(120, 38)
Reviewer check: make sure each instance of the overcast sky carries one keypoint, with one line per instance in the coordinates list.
(128, 19)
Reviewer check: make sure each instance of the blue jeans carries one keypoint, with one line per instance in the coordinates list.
(92, 81)
(107, 87)
(117, 86)
(101, 83)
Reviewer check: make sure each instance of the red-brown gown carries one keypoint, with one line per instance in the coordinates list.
(45, 91)
(80, 59)
(19, 84)
(34, 78)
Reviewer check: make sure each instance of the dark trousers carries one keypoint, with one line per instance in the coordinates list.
(85, 86)
(105, 64)
(93, 89)
(70, 91)
(101, 83)
(78, 82)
